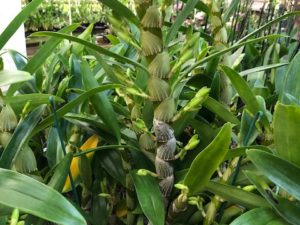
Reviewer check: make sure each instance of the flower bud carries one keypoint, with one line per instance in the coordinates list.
(151, 44)
(152, 18)
(193, 142)
(8, 119)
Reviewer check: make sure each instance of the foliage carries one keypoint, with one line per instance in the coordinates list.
(167, 125)
(55, 14)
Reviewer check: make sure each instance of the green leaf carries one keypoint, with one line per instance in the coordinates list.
(86, 35)
(20, 137)
(208, 161)
(122, 10)
(105, 66)
(286, 209)
(19, 60)
(220, 110)
(267, 25)
(18, 21)
(17, 102)
(100, 101)
(222, 52)
(150, 198)
(230, 10)
(286, 132)
(279, 171)
(291, 82)
(189, 7)
(5, 210)
(241, 151)
(91, 46)
(243, 89)
(85, 171)
(46, 50)
(54, 152)
(8, 77)
(248, 131)
(236, 195)
(262, 68)
(244, 92)
(30, 196)
(259, 216)
(200, 6)
(61, 172)
(72, 104)
(111, 161)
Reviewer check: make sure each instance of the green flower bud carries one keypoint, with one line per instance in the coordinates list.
(144, 172)
(8, 119)
(5, 138)
(146, 142)
(152, 18)
(166, 110)
(14, 217)
(193, 142)
(160, 66)
(151, 44)
(158, 89)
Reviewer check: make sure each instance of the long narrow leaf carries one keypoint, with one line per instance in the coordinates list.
(228, 13)
(200, 6)
(122, 10)
(46, 50)
(17, 22)
(220, 53)
(244, 91)
(8, 77)
(281, 172)
(236, 195)
(189, 7)
(267, 25)
(100, 101)
(69, 106)
(208, 160)
(61, 172)
(17, 102)
(286, 132)
(291, 82)
(91, 46)
(220, 110)
(259, 216)
(286, 209)
(30, 196)
(20, 137)
(150, 198)
(262, 68)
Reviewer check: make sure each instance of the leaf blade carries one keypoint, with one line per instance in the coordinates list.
(17, 22)
(67, 107)
(8, 77)
(150, 198)
(20, 137)
(91, 46)
(190, 5)
(46, 50)
(259, 216)
(236, 195)
(279, 171)
(208, 160)
(30, 196)
(100, 101)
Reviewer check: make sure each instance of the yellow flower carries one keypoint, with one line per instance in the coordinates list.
(90, 143)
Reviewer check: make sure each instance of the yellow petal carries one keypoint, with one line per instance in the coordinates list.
(90, 143)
